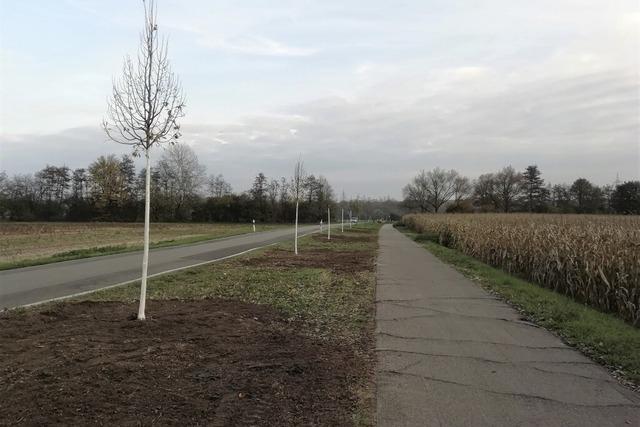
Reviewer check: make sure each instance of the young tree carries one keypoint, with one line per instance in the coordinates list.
(296, 188)
(143, 111)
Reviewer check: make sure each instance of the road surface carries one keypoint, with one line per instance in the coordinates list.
(450, 354)
(44, 282)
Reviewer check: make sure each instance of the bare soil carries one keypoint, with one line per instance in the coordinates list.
(339, 261)
(207, 362)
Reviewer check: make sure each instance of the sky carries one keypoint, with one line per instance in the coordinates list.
(368, 93)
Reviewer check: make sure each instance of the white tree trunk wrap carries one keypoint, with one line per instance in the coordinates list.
(295, 243)
(145, 256)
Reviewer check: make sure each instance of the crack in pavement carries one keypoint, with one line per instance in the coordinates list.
(449, 313)
(511, 394)
(473, 341)
(503, 362)
(398, 300)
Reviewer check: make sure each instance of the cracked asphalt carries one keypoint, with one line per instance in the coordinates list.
(450, 354)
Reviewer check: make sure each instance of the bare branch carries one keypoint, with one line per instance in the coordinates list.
(147, 101)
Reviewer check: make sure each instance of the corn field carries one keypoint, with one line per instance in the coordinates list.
(593, 259)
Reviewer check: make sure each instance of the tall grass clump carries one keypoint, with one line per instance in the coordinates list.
(593, 259)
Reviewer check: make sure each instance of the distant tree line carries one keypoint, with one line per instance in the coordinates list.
(110, 189)
(508, 190)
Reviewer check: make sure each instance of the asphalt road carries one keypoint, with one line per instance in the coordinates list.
(41, 283)
(450, 354)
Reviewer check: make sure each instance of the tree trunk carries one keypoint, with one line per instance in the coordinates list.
(295, 244)
(328, 223)
(145, 256)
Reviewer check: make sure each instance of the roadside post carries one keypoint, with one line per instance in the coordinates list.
(321, 225)
(254, 225)
(342, 224)
(328, 223)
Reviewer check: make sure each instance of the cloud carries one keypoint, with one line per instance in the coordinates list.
(255, 45)
(367, 95)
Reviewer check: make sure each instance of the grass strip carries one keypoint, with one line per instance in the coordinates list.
(602, 336)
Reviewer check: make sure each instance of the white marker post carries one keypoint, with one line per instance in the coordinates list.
(321, 225)
(328, 223)
(350, 219)
(342, 224)
(254, 225)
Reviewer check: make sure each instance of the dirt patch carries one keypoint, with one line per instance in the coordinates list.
(339, 261)
(347, 238)
(210, 362)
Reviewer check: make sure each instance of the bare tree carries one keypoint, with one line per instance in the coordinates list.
(462, 188)
(296, 188)
(218, 187)
(508, 187)
(484, 189)
(143, 111)
(415, 193)
(430, 190)
(183, 177)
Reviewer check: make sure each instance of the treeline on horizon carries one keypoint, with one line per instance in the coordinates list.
(508, 190)
(110, 189)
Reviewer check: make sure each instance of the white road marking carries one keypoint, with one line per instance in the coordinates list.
(78, 294)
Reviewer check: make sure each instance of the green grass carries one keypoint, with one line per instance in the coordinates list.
(602, 336)
(123, 248)
(337, 304)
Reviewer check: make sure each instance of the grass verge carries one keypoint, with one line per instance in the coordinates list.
(325, 294)
(124, 248)
(603, 337)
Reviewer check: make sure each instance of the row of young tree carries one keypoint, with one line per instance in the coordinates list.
(508, 190)
(110, 189)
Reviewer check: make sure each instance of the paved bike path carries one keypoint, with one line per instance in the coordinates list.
(450, 354)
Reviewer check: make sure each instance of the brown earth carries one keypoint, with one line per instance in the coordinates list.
(210, 362)
(338, 261)
(337, 237)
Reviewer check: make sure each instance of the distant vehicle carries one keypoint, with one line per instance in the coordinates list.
(354, 220)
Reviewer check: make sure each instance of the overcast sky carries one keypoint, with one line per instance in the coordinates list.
(368, 92)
